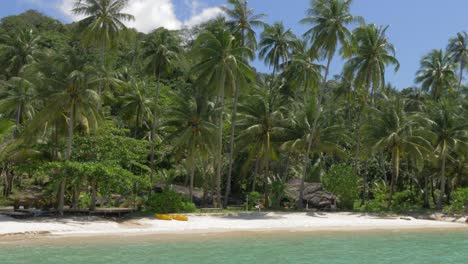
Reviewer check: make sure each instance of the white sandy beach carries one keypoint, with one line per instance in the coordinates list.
(219, 223)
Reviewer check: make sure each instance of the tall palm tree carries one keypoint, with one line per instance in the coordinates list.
(373, 54)
(329, 20)
(136, 103)
(242, 21)
(161, 51)
(221, 64)
(450, 130)
(261, 120)
(436, 74)
(17, 50)
(103, 22)
(19, 98)
(458, 51)
(191, 129)
(69, 94)
(390, 128)
(276, 45)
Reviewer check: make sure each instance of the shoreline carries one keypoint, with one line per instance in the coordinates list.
(229, 225)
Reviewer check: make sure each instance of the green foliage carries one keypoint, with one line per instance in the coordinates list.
(278, 189)
(379, 202)
(170, 202)
(343, 182)
(254, 197)
(459, 201)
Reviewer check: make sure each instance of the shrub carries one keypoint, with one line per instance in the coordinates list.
(278, 189)
(343, 182)
(379, 202)
(253, 198)
(170, 202)
(459, 201)
(406, 201)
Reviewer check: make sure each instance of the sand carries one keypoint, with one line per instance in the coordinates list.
(92, 226)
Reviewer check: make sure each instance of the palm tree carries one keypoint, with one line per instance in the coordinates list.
(242, 21)
(329, 20)
(19, 98)
(221, 64)
(18, 49)
(102, 23)
(261, 120)
(276, 45)
(136, 103)
(458, 51)
(303, 72)
(392, 129)
(372, 55)
(450, 130)
(328, 138)
(161, 51)
(436, 73)
(69, 93)
(191, 130)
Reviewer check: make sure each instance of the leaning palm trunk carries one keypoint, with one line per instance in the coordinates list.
(300, 203)
(231, 145)
(220, 144)
(153, 135)
(461, 75)
(395, 173)
(440, 202)
(254, 177)
(266, 179)
(192, 175)
(61, 196)
(19, 110)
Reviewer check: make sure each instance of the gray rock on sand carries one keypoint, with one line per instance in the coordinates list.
(314, 195)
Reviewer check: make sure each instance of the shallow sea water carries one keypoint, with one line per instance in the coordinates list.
(415, 247)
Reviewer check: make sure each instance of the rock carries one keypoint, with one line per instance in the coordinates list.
(314, 195)
(466, 221)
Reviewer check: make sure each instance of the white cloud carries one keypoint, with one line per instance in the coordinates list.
(205, 15)
(151, 14)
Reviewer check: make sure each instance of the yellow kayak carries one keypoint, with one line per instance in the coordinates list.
(163, 216)
(180, 217)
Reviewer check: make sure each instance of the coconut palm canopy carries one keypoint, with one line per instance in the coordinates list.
(93, 110)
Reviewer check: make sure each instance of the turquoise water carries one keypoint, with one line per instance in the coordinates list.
(350, 248)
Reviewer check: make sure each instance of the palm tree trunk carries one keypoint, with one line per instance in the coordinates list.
(192, 176)
(137, 121)
(461, 75)
(426, 192)
(19, 109)
(231, 144)
(220, 143)
(300, 203)
(395, 172)
(440, 202)
(61, 196)
(254, 177)
(265, 180)
(153, 134)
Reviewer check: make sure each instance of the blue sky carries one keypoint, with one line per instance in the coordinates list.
(416, 26)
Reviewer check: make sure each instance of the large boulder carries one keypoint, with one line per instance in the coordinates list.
(315, 196)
